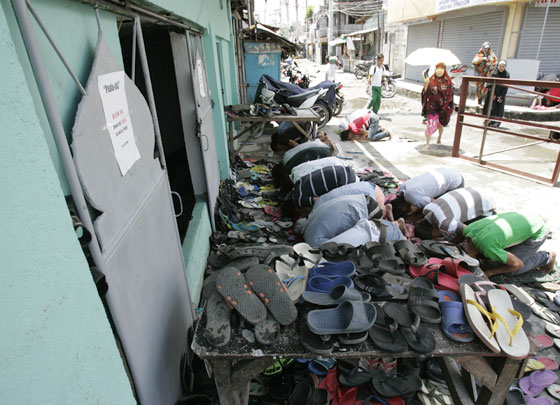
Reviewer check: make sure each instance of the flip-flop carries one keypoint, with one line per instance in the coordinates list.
(557, 343)
(313, 342)
(328, 269)
(435, 272)
(510, 335)
(347, 317)
(554, 390)
(277, 367)
(355, 378)
(272, 292)
(234, 287)
(538, 401)
(267, 332)
(554, 330)
(549, 363)
(295, 280)
(515, 397)
(266, 253)
(545, 313)
(534, 365)
(418, 337)
(422, 300)
(475, 314)
(454, 323)
(325, 284)
(321, 367)
(385, 334)
(444, 249)
(394, 385)
(336, 296)
(310, 256)
(218, 314)
(379, 288)
(455, 267)
(537, 381)
(519, 293)
(409, 253)
(544, 341)
(352, 338)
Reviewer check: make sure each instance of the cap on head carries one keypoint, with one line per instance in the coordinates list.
(486, 45)
(342, 126)
(502, 62)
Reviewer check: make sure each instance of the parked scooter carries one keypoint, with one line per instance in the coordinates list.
(361, 70)
(323, 101)
(388, 87)
(298, 78)
(339, 100)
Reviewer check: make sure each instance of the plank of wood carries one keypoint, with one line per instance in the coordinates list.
(479, 368)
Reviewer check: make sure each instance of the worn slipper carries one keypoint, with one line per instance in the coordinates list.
(337, 295)
(313, 342)
(356, 377)
(549, 363)
(545, 313)
(454, 323)
(347, 317)
(554, 330)
(352, 338)
(535, 383)
(476, 314)
(510, 335)
(265, 253)
(321, 367)
(326, 284)
(519, 293)
(385, 334)
(445, 249)
(409, 253)
(267, 332)
(272, 292)
(233, 286)
(554, 390)
(394, 385)
(435, 272)
(515, 397)
(328, 269)
(544, 341)
(295, 280)
(379, 288)
(534, 365)
(218, 314)
(310, 256)
(277, 367)
(422, 300)
(418, 337)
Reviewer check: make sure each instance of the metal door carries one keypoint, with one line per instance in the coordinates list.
(420, 36)
(148, 295)
(205, 120)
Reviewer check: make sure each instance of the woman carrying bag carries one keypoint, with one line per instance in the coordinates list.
(499, 101)
(437, 102)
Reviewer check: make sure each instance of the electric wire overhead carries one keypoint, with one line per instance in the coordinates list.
(359, 9)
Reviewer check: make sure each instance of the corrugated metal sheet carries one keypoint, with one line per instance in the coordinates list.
(420, 36)
(531, 33)
(464, 36)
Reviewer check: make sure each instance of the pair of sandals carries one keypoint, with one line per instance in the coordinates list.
(396, 330)
(393, 257)
(444, 273)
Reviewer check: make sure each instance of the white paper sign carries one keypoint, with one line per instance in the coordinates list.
(448, 5)
(119, 125)
(199, 71)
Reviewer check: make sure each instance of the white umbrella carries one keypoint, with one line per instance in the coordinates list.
(432, 56)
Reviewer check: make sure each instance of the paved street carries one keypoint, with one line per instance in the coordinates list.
(403, 155)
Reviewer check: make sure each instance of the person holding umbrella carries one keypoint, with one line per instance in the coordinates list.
(437, 102)
(484, 63)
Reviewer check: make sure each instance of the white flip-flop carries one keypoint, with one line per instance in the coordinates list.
(552, 329)
(554, 390)
(295, 280)
(476, 319)
(309, 255)
(513, 342)
(519, 293)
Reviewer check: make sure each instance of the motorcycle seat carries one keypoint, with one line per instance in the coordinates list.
(300, 98)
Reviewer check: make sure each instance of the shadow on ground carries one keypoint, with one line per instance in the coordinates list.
(436, 150)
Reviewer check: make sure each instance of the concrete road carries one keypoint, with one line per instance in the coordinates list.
(404, 157)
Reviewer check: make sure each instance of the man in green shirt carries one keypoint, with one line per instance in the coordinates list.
(512, 239)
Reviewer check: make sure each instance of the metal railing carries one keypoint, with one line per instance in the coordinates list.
(510, 83)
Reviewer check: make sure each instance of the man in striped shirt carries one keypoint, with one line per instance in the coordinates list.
(449, 214)
(320, 182)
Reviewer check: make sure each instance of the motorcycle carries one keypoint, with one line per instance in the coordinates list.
(297, 77)
(388, 87)
(361, 70)
(339, 100)
(323, 96)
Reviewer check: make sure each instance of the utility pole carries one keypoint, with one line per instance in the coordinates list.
(330, 28)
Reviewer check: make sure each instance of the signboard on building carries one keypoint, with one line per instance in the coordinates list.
(544, 3)
(449, 5)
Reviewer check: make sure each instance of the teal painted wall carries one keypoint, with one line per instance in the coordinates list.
(196, 248)
(56, 343)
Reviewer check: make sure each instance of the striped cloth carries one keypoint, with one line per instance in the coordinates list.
(320, 182)
(450, 211)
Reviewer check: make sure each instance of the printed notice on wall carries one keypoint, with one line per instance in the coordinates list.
(115, 107)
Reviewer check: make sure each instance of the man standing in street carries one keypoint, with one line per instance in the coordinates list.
(375, 77)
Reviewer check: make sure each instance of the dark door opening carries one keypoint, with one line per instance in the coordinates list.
(164, 86)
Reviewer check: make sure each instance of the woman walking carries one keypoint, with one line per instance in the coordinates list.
(484, 63)
(499, 101)
(437, 102)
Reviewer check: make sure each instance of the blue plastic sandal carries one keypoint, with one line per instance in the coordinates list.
(323, 284)
(453, 321)
(328, 269)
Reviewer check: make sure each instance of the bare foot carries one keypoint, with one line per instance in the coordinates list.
(402, 225)
(439, 142)
(389, 212)
(426, 147)
(390, 135)
(549, 267)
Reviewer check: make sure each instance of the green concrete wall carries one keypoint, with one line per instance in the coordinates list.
(57, 344)
(196, 248)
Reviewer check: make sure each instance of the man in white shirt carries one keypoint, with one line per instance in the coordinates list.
(375, 77)
(330, 71)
